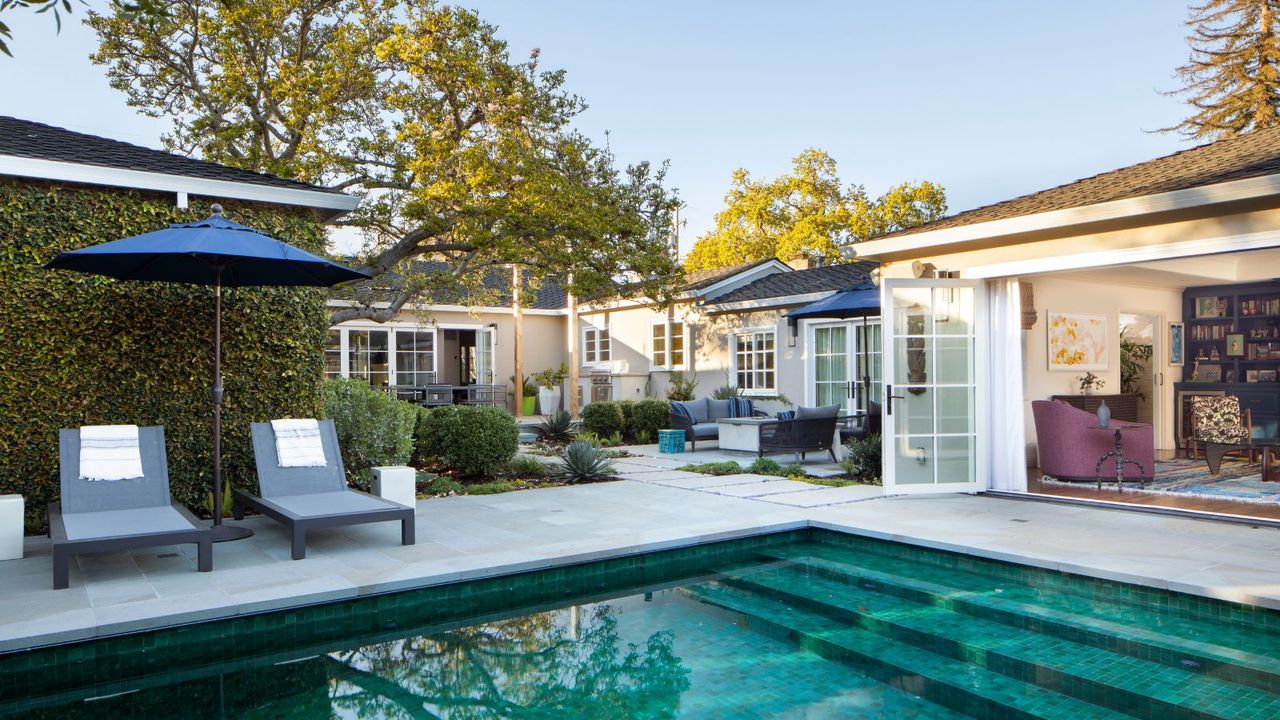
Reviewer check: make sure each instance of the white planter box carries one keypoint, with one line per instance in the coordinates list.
(548, 400)
(11, 525)
(397, 484)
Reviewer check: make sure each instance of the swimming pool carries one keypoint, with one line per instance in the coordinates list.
(794, 625)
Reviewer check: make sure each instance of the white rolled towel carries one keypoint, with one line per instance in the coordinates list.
(109, 452)
(298, 442)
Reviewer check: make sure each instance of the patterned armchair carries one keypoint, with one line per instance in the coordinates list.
(1219, 427)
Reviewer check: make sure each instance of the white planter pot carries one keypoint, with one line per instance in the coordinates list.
(548, 400)
(11, 527)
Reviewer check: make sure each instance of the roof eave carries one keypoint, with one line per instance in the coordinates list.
(329, 204)
(953, 239)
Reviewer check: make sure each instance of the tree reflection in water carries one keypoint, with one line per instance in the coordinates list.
(560, 664)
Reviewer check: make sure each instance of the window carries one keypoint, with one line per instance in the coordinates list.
(668, 344)
(868, 362)
(333, 353)
(596, 346)
(754, 361)
(415, 357)
(368, 356)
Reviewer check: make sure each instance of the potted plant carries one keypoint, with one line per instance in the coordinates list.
(528, 396)
(1090, 383)
(549, 388)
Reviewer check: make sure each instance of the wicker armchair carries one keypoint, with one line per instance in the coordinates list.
(811, 430)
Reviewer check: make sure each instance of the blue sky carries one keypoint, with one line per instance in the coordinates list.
(991, 99)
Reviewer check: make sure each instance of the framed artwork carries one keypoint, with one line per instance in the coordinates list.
(1211, 307)
(1177, 343)
(1251, 376)
(1213, 373)
(1235, 345)
(1077, 342)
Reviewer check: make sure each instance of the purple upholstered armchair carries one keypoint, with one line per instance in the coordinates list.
(1069, 448)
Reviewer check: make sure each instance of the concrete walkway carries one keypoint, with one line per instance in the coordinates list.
(468, 537)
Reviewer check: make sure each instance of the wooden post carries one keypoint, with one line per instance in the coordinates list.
(518, 313)
(574, 364)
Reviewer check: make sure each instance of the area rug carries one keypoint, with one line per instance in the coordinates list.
(1239, 481)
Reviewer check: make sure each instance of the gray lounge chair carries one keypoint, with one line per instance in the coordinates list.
(313, 497)
(109, 516)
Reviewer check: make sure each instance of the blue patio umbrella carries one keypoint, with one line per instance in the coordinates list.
(215, 252)
(861, 300)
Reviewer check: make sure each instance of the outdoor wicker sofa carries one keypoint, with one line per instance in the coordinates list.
(698, 417)
(115, 515)
(306, 498)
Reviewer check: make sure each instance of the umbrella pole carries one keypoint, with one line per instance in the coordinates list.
(221, 533)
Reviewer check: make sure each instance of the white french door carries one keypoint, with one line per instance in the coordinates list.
(833, 377)
(935, 369)
(484, 356)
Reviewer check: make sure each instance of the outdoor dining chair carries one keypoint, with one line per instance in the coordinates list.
(307, 498)
(96, 516)
(437, 395)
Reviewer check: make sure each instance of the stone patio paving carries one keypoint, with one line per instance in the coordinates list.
(656, 507)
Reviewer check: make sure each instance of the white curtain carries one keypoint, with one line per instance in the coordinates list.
(1006, 435)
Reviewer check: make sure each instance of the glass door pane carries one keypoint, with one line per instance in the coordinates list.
(932, 441)
(484, 356)
(831, 365)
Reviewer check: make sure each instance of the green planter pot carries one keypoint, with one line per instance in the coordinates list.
(529, 405)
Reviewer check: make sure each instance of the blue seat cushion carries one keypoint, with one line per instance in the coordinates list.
(704, 430)
(717, 409)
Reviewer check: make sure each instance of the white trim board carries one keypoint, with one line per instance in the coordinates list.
(1232, 191)
(1148, 253)
(181, 185)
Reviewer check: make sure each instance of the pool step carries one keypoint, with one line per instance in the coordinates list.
(954, 684)
(1119, 682)
(1219, 661)
(1116, 604)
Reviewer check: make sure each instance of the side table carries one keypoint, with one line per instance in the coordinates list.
(1118, 454)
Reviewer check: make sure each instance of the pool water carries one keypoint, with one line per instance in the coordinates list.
(797, 625)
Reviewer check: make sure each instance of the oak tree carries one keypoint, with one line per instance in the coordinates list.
(461, 153)
(807, 212)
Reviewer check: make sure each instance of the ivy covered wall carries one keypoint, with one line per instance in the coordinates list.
(80, 349)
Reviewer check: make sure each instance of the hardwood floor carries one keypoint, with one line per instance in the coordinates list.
(1089, 491)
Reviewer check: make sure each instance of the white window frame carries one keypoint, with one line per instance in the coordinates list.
(595, 358)
(733, 358)
(391, 329)
(666, 323)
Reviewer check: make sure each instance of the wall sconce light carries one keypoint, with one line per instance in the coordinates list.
(792, 330)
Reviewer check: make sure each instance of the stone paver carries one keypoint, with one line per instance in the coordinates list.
(770, 487)
(468, 537)
(827, 496)
(710, 482)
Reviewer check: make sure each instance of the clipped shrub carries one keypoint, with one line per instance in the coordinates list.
(373, 427)
(603, 419)
(85, 350)
(421, 438)
(648, 417)
(471, 440)
(583, 462)
(556, 428)
(628, 408)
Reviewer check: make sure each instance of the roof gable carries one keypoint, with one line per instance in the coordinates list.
(783, 286)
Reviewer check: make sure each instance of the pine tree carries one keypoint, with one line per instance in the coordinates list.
(1232, 78)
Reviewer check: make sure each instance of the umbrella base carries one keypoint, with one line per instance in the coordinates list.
(227, 533)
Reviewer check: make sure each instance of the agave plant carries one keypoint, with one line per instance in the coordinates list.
(583, 462)
(556, 428)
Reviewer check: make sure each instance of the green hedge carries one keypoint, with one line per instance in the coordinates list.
(81, 349)
(472, 440)
(374, 429)
(631, 418)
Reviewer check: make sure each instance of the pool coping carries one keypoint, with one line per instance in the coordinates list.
(81, 625)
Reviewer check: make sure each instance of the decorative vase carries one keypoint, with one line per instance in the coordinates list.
(529, 404)
(548, 400)
(1104, 415)
(1088, 390)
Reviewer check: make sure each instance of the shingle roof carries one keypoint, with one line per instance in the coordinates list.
(24, 138)
(548, 296)
(799, 282)
(1246, 156)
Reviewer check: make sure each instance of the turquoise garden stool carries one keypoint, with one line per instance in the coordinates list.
(671, 441)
